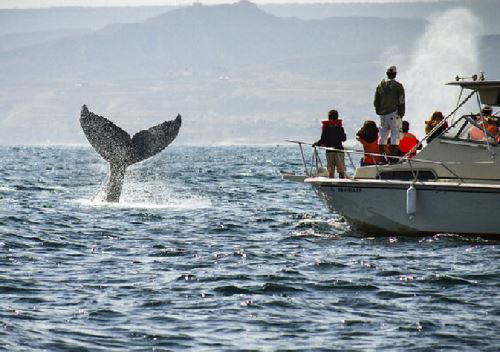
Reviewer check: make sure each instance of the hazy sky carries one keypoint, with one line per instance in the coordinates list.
(47, 3)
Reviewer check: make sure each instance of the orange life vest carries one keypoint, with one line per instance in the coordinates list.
(370, 148)
(491, 128)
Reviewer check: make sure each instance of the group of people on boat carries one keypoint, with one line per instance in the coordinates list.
(392, 138)
(376, 153)
(378, 142)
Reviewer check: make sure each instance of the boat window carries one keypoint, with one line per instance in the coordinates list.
(407, 175)
(458, 129)
(467, 128)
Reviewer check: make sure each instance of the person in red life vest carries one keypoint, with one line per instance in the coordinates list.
(407, 141)
(332, 136)
(368, 137)
(433, 121)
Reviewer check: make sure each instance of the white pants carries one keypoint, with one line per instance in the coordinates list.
(390, 123)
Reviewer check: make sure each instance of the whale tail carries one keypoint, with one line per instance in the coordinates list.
(120, 150)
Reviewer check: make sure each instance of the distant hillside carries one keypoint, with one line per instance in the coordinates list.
(201, 38)
(56, 18)
(10, 42)
(236, 73)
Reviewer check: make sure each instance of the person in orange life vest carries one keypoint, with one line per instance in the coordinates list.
(493, 121)
(408, 141)
(433, 121)
(488, 122)
(368, 137)
(332, 136)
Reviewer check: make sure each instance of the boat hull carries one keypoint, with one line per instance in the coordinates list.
(380, 207)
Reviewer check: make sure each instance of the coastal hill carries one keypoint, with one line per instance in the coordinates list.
(223, 37)
(246, 75)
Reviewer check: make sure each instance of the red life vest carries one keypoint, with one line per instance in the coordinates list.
(407, 143)
(327, 123)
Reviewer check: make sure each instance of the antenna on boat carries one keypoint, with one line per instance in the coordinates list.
(473, 77)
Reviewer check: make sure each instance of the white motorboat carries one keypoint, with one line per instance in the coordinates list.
(451, 186)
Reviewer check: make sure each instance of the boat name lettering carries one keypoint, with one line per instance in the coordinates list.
(349, 189)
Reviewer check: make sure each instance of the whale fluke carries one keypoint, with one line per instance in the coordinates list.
(117, 148)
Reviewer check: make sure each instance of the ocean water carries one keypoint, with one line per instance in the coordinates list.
(209, 250)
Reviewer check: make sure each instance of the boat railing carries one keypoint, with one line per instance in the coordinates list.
(312, 170)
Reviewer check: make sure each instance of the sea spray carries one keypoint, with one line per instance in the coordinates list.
(449, 47)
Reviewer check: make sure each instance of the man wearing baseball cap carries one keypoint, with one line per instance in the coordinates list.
(389, 104)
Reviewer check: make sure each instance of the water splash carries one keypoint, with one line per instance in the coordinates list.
(174, 204)
(449, 47)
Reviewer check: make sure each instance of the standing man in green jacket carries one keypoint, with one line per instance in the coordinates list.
(389, 104)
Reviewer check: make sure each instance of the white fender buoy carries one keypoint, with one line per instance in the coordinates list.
(322, 171)
(411, 201)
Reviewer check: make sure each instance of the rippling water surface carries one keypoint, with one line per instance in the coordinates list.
(210, 250)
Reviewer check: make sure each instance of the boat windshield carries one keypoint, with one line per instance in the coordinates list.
(472, 128)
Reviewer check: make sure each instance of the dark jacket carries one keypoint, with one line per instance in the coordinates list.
(332, 134)
(389, 97)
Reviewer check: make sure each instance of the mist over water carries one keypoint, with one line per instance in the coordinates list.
(449, 47)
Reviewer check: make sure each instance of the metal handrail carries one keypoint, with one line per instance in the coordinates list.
(315, 161)
(353, 151)
(492, 153)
